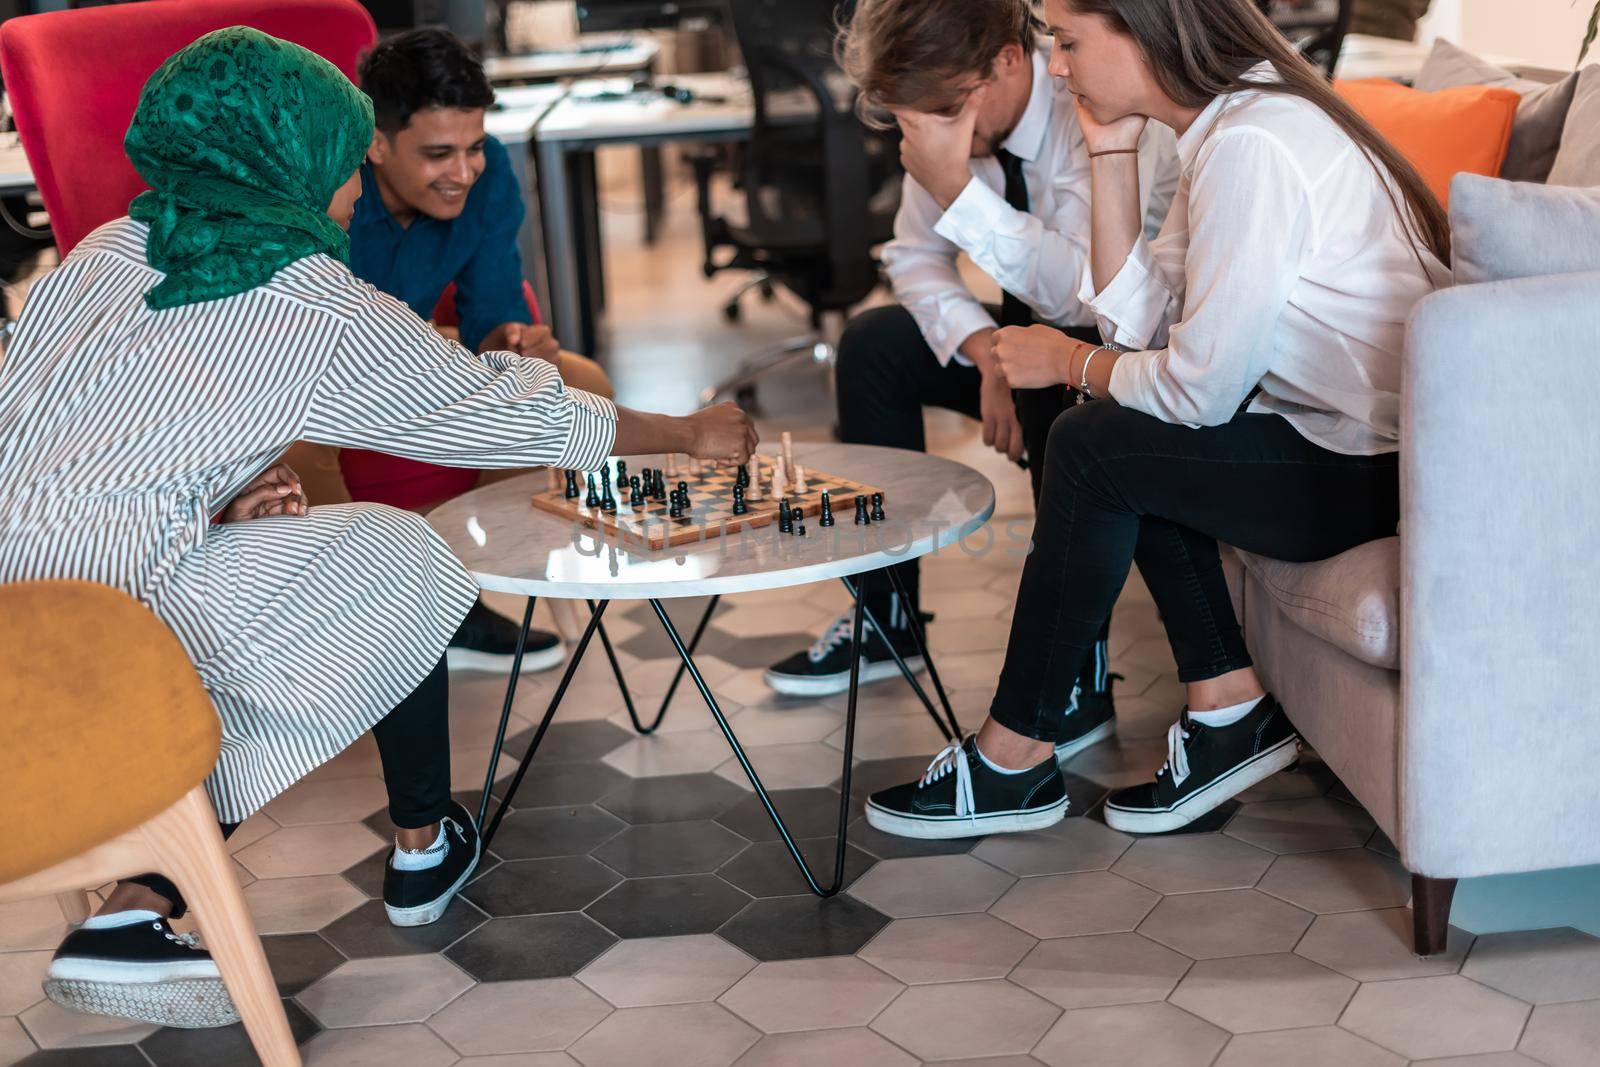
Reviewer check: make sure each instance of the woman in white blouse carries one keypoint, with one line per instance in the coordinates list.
(1252, 397)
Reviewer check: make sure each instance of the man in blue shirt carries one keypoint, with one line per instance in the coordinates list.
(440, 206)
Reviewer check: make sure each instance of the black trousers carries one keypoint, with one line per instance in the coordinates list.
(1121, 487)
(887, 374)
(414, 745)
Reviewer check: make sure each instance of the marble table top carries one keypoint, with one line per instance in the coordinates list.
(510, 547)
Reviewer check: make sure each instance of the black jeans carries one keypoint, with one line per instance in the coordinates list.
(414, 745)
(1122, 487)
(887, 374)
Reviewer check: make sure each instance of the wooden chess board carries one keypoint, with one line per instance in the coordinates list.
(711, 507)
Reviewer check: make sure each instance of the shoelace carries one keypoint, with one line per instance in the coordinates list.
(835, 635)
(954, 756)
(1177, 755)
(186, 940)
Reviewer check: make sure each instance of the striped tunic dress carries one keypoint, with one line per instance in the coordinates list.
(123, 431)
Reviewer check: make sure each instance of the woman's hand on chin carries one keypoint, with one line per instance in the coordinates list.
(1116, 135)
(1033, 357)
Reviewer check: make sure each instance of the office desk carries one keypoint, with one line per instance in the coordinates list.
(588, 58)
(565, 141)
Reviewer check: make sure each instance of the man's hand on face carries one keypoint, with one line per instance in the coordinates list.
(934, 149)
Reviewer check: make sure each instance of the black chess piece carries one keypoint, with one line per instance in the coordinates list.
(797, 521)
(635, 492)
(742, 479)
(622, 473)
(605, 482)
(683, 490)
(827, 511)
(785, 517)
(607, 501)
(573, 492)
(861, 512)
(675, 508)
(593, 499)
(739, 507)
(877, 507)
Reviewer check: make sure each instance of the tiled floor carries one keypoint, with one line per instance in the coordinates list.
(639, 909)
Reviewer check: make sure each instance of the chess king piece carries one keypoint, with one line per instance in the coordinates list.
(593, 498)
(877, 507)
(787, 440)
(826, 518)
(861, 512)
(573, 492)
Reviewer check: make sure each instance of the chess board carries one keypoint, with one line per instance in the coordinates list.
(711, 507)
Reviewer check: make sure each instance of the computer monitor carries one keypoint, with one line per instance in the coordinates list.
(611, 16)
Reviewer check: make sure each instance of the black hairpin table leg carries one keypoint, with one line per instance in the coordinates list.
(666, 701)
(953, 730)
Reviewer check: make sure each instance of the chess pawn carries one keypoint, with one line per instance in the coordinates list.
(826, 518)
(636, 492)
(675, 508)
(861, 512)
(877, 507)
(573, 492)
(622, 473)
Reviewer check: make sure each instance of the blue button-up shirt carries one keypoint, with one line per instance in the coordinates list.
(477, 250)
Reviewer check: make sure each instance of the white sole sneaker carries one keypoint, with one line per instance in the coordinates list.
(1258, 768)
(191, 1003)
(947, 827)
(793, 685)
(1104, 731)
(423, 914)
(467, 659)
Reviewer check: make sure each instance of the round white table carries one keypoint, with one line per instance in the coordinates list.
(511, 547)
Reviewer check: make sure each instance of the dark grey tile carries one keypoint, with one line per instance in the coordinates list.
(549, 785)
(104, 1056)
(673, 798)
(297, 960)
(807, 813)
(664, 907)
(367, 875)
(221, 1045)
(367, 931)
(570, 742)
(533, 833)
(889, 847)
(768, 870)
(787, 928)
(670, 848)
(530, 946)
(533, 887)
(754, 653)
(652, 642)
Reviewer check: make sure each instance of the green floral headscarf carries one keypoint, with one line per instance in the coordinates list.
(243, 139)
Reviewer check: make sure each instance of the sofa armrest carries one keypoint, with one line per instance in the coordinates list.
(1500, 571)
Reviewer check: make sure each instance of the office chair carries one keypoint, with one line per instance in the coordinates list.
(819, 188)
(1316, 27)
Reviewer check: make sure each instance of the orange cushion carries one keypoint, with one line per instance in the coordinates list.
(1443, 133)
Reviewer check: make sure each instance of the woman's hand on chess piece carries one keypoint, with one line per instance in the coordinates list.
(722, 433)
(275, 491)
(1033, 357)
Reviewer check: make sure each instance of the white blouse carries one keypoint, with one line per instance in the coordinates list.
(1284, 264)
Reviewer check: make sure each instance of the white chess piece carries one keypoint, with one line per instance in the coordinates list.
(788, 454)
(780, 480)
(799, 479)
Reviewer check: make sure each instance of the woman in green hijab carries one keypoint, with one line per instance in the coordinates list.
(154, 378)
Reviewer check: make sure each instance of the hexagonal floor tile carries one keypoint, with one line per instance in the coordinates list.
(304, 850)
(1375, 946)
(673, 798)
(854, 1046)
(807, 812)
(701, 1034)
(367, 931)
(931, 885)
(1193, 863)
(378, 992)
(53, 1027)
(16, 1045)
(1424, 1018)
(530, 946)
(1314, 824)
(787, 726)
(670, 848)
(1064, 905)
(337, 800)
(666, 970)
(378, 1046)
(962, 1020)
(892, 737)
(201, 1048)
(783, 928)
(300, 905)
(1350, 879)
(1130, 1035)
(297, 960)
(811, 994)
(1563, 1035)
(1317, 1046)
(532, 887)
(20, 976)
(571, 742)
(1249, 993)
(1070, 846)
(500, 1018)
(670, 754)
(1538, 966)
(804, 766)
(766, 869)
(1100, 969)
(1120, 763)
(536, 833)
(948, 948)
(668, 906)
(31, 924)
(566, 785)
(1231, 922)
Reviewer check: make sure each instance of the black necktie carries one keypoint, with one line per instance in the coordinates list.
(1013, 312)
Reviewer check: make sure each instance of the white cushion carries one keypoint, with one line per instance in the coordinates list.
(1351, 601)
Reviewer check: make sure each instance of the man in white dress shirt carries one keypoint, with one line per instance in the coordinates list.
(995, 168)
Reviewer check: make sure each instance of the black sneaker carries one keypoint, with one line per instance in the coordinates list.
(960, 796)
(140, 970)
(1206, 765)
(487, 641)
(1091, 718)
(417, 898)
(824, 668)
